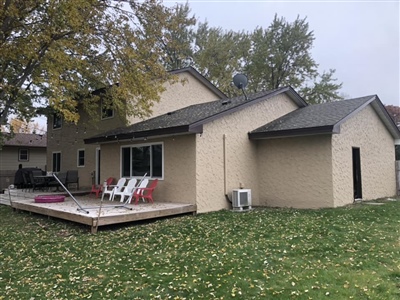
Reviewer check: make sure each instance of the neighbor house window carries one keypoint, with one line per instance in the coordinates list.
(56, 162)
(141, 159)
(57, 121)
(23, 155)
(81, 157)
(106, 110)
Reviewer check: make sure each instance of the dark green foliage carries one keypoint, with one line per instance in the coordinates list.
(273, 57)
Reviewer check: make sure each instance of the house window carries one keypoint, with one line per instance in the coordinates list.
(106, 110)
(141, 159)
(56, 162)
(23, 155)
(81, 158)
(57, 121)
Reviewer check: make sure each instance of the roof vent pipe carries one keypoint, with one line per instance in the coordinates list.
(240, 81)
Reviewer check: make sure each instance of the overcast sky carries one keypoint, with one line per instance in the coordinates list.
(360, 39)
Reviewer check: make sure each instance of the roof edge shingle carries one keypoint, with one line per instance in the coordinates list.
(194, 117)
(31, 140)
(323, 118)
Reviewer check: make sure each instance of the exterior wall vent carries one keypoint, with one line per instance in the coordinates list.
(241, 199)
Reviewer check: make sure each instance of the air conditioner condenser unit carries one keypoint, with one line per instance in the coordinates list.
(241, 199)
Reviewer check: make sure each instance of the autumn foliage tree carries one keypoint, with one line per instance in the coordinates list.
(20, 126)
(56, 52)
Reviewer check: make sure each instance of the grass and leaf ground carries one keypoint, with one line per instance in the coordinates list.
(342, 253)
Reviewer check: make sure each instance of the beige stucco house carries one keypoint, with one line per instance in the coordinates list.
(288, 153)
(66, 149)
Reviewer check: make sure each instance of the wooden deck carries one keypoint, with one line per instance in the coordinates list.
(96, 216)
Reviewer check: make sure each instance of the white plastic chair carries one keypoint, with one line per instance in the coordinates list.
(114, 188)
(127, 190)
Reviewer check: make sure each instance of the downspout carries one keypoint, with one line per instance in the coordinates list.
(225, 168)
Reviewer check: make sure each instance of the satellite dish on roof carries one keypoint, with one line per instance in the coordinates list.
(187, 62)
(240, 81)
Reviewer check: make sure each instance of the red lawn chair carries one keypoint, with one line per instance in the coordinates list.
(146, 193)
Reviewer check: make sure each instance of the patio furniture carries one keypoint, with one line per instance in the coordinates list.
(72, 178)
(111, 189)
(19, 181)
(146, 193)
(98, 188)
(37, 181)
(127, 190)
(139, 190)
(62, 176)
(27, 181)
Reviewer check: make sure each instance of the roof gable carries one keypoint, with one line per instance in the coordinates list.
(200, 78)
(322, 119)
(192, 118)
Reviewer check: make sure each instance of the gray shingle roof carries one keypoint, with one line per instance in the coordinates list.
(315, 119)
(27, 140)
(189, 119)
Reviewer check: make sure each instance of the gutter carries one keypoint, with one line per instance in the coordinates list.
(329, 129)
(185, 129)
(225, 169)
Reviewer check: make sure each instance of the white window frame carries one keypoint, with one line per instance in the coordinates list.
(27, 154)
(143, 145)
(77, 157)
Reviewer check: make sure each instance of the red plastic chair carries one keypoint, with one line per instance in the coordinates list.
(145, 193)
(98, 189)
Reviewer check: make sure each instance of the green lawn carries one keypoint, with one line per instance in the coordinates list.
(342, 253)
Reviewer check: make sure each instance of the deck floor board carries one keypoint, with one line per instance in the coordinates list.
(68, 210)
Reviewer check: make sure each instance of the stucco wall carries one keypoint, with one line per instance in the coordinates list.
(187, 90)
(295, 172)
(179, 182)
(365, 131)
(69, 138)
(110, 164)
(241, 153)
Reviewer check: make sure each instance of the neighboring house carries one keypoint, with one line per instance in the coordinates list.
(288, 153)
(66, 149)
(26, 149)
